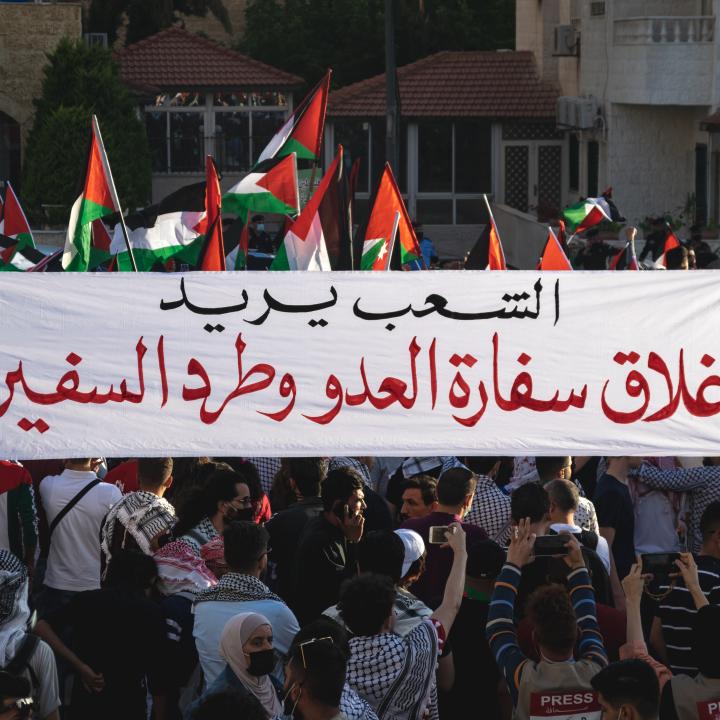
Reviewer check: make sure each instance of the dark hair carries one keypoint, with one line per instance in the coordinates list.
(308, 474)
(481, 465)
(185, 476)
(549, 467)
(230, 703)
(381, 552)
(13, 686)
(629, 682)
(248, 472)
(366, 602)
(454, 486)
(552, 616)
(245, 543)
(153, 472)
(564, 494)
(531, 501)
(705, 638)
(338, 486)
(674, 258)
(131, 572)
(485, 560)
(710, 520)
(425, 484)
(323, 676)
(202, 501)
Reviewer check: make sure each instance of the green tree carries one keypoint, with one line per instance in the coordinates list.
(80, 81)
(307, 36)
(147, 17)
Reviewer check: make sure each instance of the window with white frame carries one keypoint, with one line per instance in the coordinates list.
(234, 128)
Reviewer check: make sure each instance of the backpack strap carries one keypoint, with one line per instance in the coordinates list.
(72, 504)
(22, 658)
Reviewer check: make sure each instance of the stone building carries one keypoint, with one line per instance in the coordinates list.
(639, 79)
(28, 31)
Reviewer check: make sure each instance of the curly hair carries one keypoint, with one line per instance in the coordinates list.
(553, 618)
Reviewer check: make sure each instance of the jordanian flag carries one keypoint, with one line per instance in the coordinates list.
(98, 199)
(15, 224)
(388, 219)
(173, 228)
(302, 133)
(305, 244)
(270, 187)
(16, 256)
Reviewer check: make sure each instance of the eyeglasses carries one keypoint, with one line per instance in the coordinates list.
(303, 645)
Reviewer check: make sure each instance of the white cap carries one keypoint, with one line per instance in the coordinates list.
(414, 548)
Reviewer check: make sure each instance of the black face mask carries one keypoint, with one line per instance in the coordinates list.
(244, 514)
(261, 663)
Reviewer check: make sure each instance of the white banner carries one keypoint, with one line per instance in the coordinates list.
(417, 363)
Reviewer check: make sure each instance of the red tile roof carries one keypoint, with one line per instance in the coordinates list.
(175, 59)
(456, 84)
(711, 122)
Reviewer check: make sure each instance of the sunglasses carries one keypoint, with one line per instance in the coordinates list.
(303, 645)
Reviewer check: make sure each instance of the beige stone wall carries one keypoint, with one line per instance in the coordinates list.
(29, 31)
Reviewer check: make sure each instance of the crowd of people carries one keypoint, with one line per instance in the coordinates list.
(366, 588)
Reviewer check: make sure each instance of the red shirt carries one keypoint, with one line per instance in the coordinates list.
(124, 476)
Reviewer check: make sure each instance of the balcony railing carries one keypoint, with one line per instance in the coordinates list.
(664, 30)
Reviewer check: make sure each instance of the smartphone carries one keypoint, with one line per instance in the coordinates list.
(660, 564)
(550, 546)
(438, 534)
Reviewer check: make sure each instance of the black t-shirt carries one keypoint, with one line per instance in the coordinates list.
(614, 509)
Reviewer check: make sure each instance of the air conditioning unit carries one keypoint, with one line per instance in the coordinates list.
(585, 113)
(96, 39)
(565, 112)
(566, 41)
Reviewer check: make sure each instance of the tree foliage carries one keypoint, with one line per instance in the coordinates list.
(147, 17)
(307, 36)
(80, 81)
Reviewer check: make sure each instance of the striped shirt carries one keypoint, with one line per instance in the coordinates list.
(677, 615)
(502, 634)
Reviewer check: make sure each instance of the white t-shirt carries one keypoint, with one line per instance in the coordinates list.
(602, 549)
(45, 693)
(74, 558)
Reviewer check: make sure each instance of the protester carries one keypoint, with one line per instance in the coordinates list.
(118, 639)
(326, 553)
(18, 517)
(490, 509)
(240, 590)
(561, 618)
(228, 704)
(76, 503)
(246, 647)
(456, 491)
(419, 497)
(627, 690)
(207, 509)
(286, 527)
(395, 674)
(141, 518)
(251, 477)
(22, 655)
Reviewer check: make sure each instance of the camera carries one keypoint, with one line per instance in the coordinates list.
(660, 565)
(438, 534)
(550, 546)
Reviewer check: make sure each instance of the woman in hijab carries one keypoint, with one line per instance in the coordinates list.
(246, 645)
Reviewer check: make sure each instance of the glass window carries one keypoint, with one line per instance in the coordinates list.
(353, 135)
(232, 132)
(378, 151)
(435, 157)
(434, 212)
(187, 142)
(156, 128)
(471, 212)
(264, 126)
(473, 159)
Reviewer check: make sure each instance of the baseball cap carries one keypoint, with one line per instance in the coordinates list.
(414, 548)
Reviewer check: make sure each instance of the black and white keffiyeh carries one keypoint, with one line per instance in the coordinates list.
(144, 515)
(200, 535)
(353, 707)
(237, 587)
(14, 609)
(396, 675)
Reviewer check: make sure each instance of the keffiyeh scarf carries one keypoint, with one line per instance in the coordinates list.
(236, 587)
(14, 609)
(180, 570)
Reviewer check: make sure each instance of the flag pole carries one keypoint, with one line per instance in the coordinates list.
(393, 237)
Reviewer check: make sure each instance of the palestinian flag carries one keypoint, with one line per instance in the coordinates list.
(671, 242)
(97, 200)
(173, 228)
(388, 218)
(305, 246)
(553, 256)
(236, 259)
(303, 131)
(625, 259)
(487, 253)
(15, 224)
(270, 187)
(586, 214)
(16, 256)
(213, 252)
